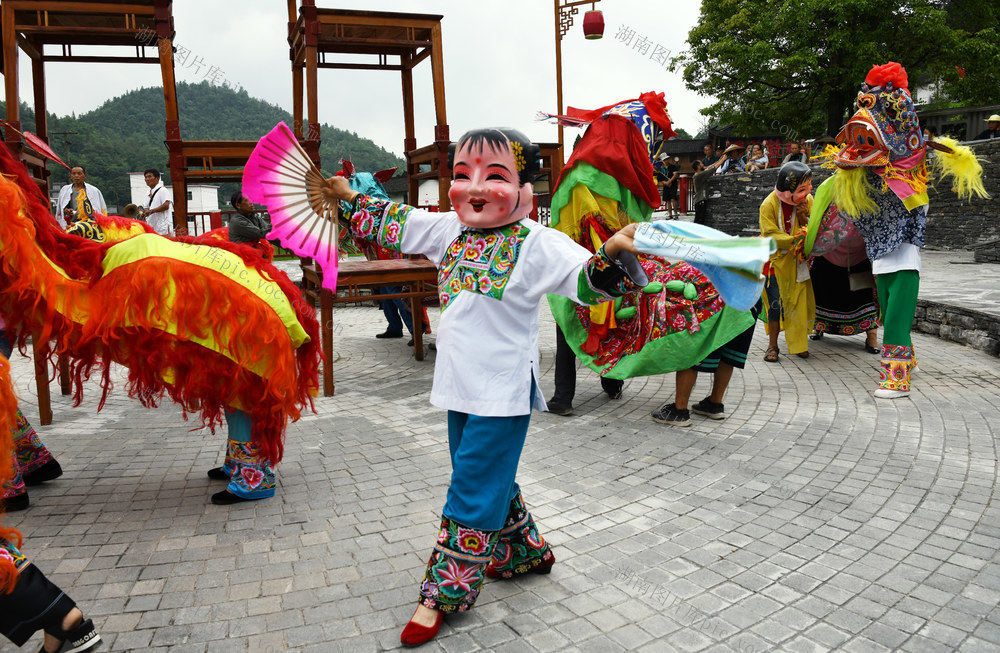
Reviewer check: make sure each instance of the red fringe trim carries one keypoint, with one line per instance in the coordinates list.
(125, 308)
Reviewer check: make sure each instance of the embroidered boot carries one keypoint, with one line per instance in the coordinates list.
(34, 461)
(521, 549)
(455, 570)
(225, 472)
(13, 494)
(252, 476)
(894, 377)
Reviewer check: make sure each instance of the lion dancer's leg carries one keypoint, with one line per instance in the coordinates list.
(484, 452)
(898, 294)
(252, 475)
(34, 461)
(12, 492)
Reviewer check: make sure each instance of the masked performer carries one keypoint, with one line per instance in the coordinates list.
(790, 306)
(680, 319)
(881, 185)
(496, 267)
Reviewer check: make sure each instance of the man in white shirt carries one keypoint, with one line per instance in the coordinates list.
(158, 210)
(76, 197)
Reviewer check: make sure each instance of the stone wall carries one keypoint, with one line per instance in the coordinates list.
(973, 328)
(734, 202)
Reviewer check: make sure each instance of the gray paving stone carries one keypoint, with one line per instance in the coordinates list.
(812, 518)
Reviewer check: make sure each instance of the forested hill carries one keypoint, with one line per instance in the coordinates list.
(126, 135)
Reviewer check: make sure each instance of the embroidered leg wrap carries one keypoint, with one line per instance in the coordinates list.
(521, 548)
(31, 453)
(457, 566)
(252, 475)
(230, 463)
(13, 486)
(895, 372)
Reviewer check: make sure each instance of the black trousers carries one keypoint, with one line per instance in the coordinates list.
(700, 212)
(35, 604)
(566, 374)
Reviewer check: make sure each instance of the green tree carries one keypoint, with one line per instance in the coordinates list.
(794, 67)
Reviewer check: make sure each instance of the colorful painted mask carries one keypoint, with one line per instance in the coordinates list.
(885, 128)
(491, 172)
(794, 183)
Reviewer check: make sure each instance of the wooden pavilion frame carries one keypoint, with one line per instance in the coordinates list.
(397, 41)
(32, 25)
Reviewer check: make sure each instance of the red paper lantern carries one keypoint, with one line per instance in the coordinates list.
(593, 24)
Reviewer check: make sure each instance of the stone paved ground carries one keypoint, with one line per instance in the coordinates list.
(812, 519)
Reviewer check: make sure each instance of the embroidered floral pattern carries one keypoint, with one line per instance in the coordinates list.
(521, 548)
(658, 315)
(13, 486)
(481, 262)
(891, 225)
(31, 453)
(896, 365)
(379, 221)
(457, 566)
(10, 554)
(252, 476)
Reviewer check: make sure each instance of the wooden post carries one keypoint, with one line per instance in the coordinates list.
(326, 331)
(9, 38)
(42, 384)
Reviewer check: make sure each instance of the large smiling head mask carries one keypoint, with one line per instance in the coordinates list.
(491, 179)
(885, 128)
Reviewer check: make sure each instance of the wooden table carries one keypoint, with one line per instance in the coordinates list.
(420, 275)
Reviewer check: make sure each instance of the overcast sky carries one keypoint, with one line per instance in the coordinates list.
(499, 65)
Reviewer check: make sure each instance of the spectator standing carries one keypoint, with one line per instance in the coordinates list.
(700, 181)
(246, 225)
(669, 171)
(78, 199)
(930, 133)
(795, 153)
(711, 156)
(158, 209)
(992, 128)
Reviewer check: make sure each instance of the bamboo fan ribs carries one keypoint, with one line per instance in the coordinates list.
(280, 175)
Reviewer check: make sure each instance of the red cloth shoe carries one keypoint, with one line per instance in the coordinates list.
(541, 569)
(414, 634)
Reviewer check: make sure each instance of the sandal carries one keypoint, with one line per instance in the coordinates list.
(771, 355)
(803, 354)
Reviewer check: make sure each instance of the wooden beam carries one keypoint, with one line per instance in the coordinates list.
(9, 38)
(426, 52)
(359, 66)
(99, 59)
(29, 48)
(80, 7)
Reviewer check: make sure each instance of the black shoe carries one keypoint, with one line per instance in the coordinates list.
(226, 498)
(16, 503)
(82, 638)
(669, 414)
(46, 472)
(709, 409)
(559, 408)
(218, 474)
(390, 334)
(612, 387)
(816, 336)
(410, 343)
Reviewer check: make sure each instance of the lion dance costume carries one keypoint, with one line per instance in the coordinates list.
(216, 328)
